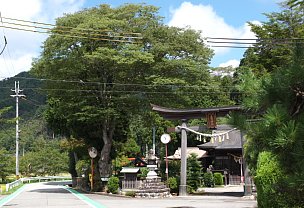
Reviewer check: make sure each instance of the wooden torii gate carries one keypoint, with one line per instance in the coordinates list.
(185, 114)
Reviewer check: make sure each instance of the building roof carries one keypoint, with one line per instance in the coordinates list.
(190, 150)
(234, 142)
(129, 170)
(179, 114)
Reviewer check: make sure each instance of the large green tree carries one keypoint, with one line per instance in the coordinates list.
(101, 81)
(271, 79)
(276, 38)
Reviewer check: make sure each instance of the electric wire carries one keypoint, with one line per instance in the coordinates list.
(69, 36)
(71, 32)
(86, 29)
(117, 84)
(76, 32)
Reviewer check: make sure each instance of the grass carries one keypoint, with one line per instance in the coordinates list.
(4, 192)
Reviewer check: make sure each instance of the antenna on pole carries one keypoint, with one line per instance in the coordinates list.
(17, 95)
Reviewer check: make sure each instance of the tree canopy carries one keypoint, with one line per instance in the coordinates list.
(102, 81)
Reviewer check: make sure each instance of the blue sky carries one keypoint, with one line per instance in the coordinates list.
(215, 18)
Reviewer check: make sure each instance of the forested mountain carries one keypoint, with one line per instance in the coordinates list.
(28, 105)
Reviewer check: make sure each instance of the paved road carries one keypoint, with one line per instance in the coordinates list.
(55, 195)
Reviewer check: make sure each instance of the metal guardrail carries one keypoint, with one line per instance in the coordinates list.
(13, 184)
(31, 179)
(44, 178)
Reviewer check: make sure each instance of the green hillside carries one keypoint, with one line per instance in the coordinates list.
(28, 106)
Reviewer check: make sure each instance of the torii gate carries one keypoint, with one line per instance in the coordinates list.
(184, 115)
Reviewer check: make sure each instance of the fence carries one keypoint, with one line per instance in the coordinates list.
(234, 180)
(131, 184)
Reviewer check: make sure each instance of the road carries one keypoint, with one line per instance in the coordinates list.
(54, 194)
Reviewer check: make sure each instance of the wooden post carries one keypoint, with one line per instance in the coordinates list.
(92, 174)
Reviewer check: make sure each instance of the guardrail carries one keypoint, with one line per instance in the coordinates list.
(13, 184)
(38, 179)
(44, 178)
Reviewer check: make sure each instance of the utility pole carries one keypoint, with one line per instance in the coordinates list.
(17, 95)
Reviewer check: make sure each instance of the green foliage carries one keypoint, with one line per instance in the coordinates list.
(46, 159)
(10, 191)
(7, 165)
(208, 179)
(119, 162)
(130, 193)
(82, 166)
(122, 79)
(113, 184)
(173, 168)
(274, 147)
(143, 172)
(173, 184)
(193, 172)
(28, 108)
(130, 148)
(218, 179)
(269, 174)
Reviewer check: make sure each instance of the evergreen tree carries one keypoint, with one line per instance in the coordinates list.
(193, 172)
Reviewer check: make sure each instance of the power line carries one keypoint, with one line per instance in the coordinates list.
(72, 32)
(113, 34)
(108, 83)
(118, 84)
(85, 29)
(69, 36)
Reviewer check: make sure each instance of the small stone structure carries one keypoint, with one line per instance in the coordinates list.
(153, 188)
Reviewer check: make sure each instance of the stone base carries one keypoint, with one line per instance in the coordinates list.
(153, 188)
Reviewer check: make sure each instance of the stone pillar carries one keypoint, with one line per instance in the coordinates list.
(247, 184)
(183, 174)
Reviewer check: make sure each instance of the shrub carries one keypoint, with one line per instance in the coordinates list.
(144, 172)
(267, 180)
(218, 179)
(193, 173)
(113, 184)
(208, 179)
(173, 185)
(82, 166)
(130, 193)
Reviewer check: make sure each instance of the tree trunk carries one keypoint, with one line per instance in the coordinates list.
(104, 161)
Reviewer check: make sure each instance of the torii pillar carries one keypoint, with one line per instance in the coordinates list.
(184, 115)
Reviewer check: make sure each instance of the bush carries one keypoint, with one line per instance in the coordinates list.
(82, 166)
(218, 179)
(267, 180)
(144, 172)
(193, 173)
(208, 179)
(130, 193)
(113, 184)
(172, 184)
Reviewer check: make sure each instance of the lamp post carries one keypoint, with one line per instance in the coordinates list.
(165, 139)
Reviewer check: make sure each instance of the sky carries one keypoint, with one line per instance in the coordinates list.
(215, 18)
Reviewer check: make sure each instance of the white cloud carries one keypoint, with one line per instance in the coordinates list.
(23, 46)
(11, 66)
(204, 18)
(234, 63)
